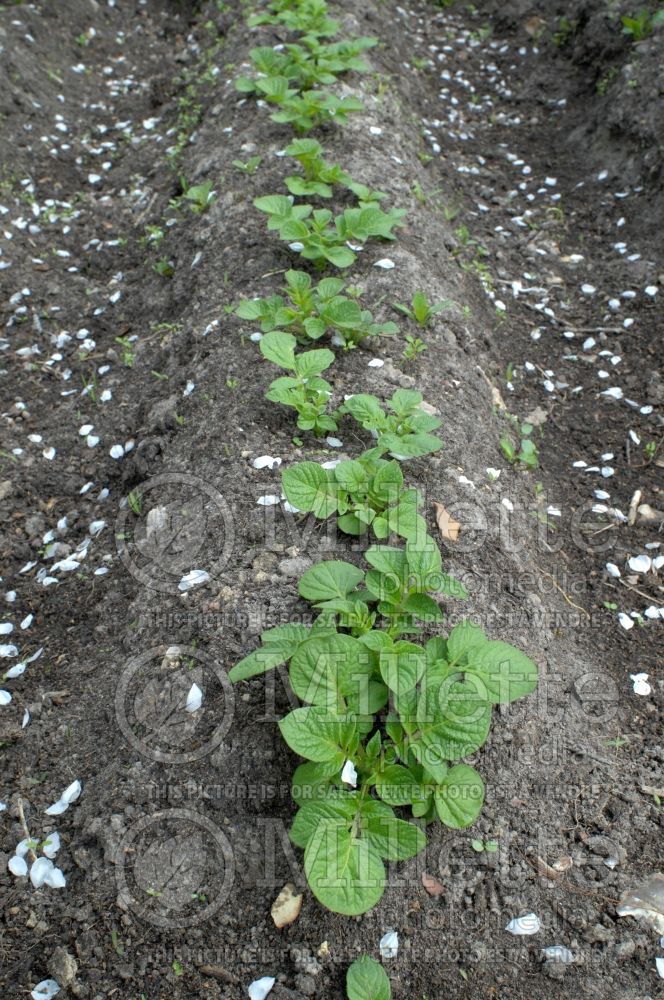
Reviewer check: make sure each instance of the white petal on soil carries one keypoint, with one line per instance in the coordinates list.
(640, 564)
(5, 697)
(528, 924)
(194, 578)
(507, 503)
(117, 451)
(615, 392)
(291, 510)
(260, 988)
(8, 649)
(45, 990)
(641, 685)
(269, 500)
(266, 462)
(626, 622)
(659, 965)
(18, 866)
(40, 871)
(70, 794)
(375, 363)
(334, 442)
(15, 671)
(6, 628)
(558, 953)
(385, 263)
(349, 774)
(389, 945)
(612, 570)
(194, 699)
(26, 719)
(588, 289)
(493, 474)
(51, 845)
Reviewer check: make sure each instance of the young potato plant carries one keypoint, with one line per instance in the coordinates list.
(304, 65)
(366, 493)
(320, 237)
(305, 17)
(405, 432)
(385, 721)
(303, 390)
(312, 310)
(320, 176)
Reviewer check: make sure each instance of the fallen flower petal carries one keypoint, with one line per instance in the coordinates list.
(528, 924)
(260, 988)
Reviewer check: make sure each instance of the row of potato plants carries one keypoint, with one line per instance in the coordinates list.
(387, 717)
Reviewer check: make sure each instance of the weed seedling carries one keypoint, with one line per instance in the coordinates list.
(164, 267)
(250, 167)
(199, 197)
(421, 311)
(414, 348)
(527, 454)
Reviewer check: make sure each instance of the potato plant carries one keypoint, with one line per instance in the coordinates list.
(310, 311)
(303, 389)
(385, 721)
(319, 236)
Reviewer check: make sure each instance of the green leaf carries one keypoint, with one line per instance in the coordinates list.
(395, 839)
(507, 672)
(311, 363)
(367, 980)
(274, 204)
(453, 717)
(366, 409)
(460, 797)
(311, 782)
(314, 327)
(339, 256)
(345, 873)
(309, 488)
(387, 560)
(464, 637)
(326, 669)
(423, 607)
(329, 579)
(310, 815)
(410, 445)
(424, 563)
(279, 348)
(402, 666)
(388, 481)
(317, 734)
(352, 476)
(258, 662)
(279, 645)
(397, 786)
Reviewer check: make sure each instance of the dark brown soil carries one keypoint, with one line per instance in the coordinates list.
(177, 846)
